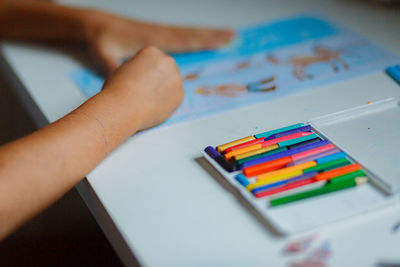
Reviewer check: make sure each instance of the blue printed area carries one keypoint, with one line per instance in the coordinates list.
(284, 56)
(264, 37)
(394, 72)
(88, 82)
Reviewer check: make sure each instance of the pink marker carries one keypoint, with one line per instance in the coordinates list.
(312, 152)
(285, 138)
(314, 157)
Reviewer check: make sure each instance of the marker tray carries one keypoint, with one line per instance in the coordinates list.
(369, 135)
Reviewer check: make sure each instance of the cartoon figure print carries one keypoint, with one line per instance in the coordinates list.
(320, 54)
(234, 89)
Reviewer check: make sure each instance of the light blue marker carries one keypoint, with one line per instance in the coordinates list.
(242, 179)
(339, 155)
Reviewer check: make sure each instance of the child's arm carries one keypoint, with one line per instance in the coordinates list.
(108, 37)
(37, 169)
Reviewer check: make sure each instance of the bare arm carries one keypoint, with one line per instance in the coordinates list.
(38, 169)
(108, 37)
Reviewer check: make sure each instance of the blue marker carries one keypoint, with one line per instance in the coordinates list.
(242, 179)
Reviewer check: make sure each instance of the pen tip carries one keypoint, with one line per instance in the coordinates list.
(361, 180)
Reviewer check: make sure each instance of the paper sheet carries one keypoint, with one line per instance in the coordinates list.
(265, 61)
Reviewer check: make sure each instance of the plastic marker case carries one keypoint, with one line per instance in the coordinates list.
(369, 135)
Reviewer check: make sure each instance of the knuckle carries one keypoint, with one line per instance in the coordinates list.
(151, 50)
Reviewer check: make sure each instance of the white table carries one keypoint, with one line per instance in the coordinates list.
(165, 205)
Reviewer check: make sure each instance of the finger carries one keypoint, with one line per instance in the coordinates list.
(109, 62)
(188, 39)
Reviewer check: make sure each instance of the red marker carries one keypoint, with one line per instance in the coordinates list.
(284, 188)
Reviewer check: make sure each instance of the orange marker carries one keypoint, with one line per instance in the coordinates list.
(337, 172)
(256, 152)
(239, 151)
(285, 138)
(267, 166)
(221, 148)
(246, 144)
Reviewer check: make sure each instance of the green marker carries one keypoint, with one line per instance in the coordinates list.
(328, 165)
(297, 140)
(329, 188)
(347, 176)
(287, 128)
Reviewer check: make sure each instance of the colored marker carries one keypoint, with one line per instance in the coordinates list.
(219, 158)
(298, 140)
(329, 188)
(277, 178)
(282, 139)
(288, 138)
(304, 143)
(282, 154)
(338, 171)
(272, 174)
(274, 151)
(268, 133)
(242, 179)
(326, 166)
(299, 189)
(312, 152)
(319, 156)
(286, 188)
(283, 182)
(211, 152)
(221, 148)
(306, 128)
(334, 156)
(267, 166)
(243, 150)
(345, 177)
(245, 144)
(256, 152)
(281, 162)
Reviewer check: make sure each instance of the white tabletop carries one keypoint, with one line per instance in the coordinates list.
(157, 198)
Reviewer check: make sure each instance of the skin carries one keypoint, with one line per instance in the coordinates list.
(38, 169)
(142, 93)
(107, 37)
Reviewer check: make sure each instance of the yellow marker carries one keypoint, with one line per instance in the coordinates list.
(272, 174)
(256, 152)
(229, 155)
(276, 178)
(221, 148)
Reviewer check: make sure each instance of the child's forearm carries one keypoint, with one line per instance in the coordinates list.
(26, 20)
(38, 169)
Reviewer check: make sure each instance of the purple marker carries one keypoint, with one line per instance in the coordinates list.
(284, 154)
(306, 128)
(214, 154)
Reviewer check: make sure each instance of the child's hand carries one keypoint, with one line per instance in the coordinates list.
(112, 38)
(149, 85)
